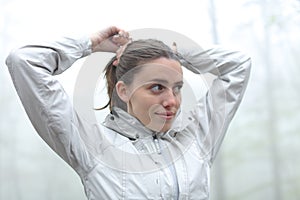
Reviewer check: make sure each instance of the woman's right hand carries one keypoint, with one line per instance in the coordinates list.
(109, 39)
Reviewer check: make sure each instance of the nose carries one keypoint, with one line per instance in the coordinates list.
(170, 99)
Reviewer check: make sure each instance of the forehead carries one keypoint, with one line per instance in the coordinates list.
(159, 69)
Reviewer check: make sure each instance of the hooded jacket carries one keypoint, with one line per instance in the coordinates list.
(121, 158)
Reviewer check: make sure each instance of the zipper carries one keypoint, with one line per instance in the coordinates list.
(156, 143)
(170, 167)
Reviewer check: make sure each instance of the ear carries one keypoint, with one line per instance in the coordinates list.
(122, 91)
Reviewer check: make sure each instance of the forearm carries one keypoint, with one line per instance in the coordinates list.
(232, 68)
(217, 61)
(47, 105)
(53, 57)
(217, 108)
(32, 67)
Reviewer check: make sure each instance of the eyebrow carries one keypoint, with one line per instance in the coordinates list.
(163, 81)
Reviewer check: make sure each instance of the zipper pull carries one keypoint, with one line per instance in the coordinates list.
(156, 143)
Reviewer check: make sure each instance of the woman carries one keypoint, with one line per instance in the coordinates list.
(147, 147)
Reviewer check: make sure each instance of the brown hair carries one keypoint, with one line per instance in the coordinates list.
(136, 53)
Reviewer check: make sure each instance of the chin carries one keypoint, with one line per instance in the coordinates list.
(159, 126)
(164, 129)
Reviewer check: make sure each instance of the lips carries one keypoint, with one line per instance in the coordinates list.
(166, 115)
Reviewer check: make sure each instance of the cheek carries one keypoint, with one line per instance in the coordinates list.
(179, 98)
(144, 103)
(143, 106)
(178, 101)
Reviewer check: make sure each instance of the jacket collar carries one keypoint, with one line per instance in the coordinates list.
(126, 124)
(130, 127)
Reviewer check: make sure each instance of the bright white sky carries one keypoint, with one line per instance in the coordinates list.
(33, 18)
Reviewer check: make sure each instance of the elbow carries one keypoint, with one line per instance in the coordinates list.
(245, 60)
(14, 58)
(243, 63)
(248, 61)
(247, 66)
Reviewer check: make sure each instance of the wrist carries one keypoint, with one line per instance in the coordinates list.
(92, 44)
(95, 40)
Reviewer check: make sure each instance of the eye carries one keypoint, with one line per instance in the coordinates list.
(157, 88)
(177, 89)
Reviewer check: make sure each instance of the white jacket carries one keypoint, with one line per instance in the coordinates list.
(121, 159)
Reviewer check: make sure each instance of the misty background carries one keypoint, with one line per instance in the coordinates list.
(259, 158)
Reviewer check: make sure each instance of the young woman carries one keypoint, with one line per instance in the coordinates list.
(147, 147)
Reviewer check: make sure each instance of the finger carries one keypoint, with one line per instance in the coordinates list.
(123, 33)
(119, 51)
(113, 30)
(109, 32)
(117, 39)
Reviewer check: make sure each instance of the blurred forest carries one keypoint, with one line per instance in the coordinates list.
(259, 160)
(259, 157)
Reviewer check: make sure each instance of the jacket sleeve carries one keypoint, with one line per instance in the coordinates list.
(47, 105)
(217, 108)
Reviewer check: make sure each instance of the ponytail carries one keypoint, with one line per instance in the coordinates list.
(111, 80)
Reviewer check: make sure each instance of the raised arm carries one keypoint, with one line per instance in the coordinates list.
(49, 108)
(215, 111)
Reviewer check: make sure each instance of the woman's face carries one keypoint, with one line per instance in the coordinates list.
(154, 96)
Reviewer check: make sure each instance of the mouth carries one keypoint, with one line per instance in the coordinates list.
(167, 115)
